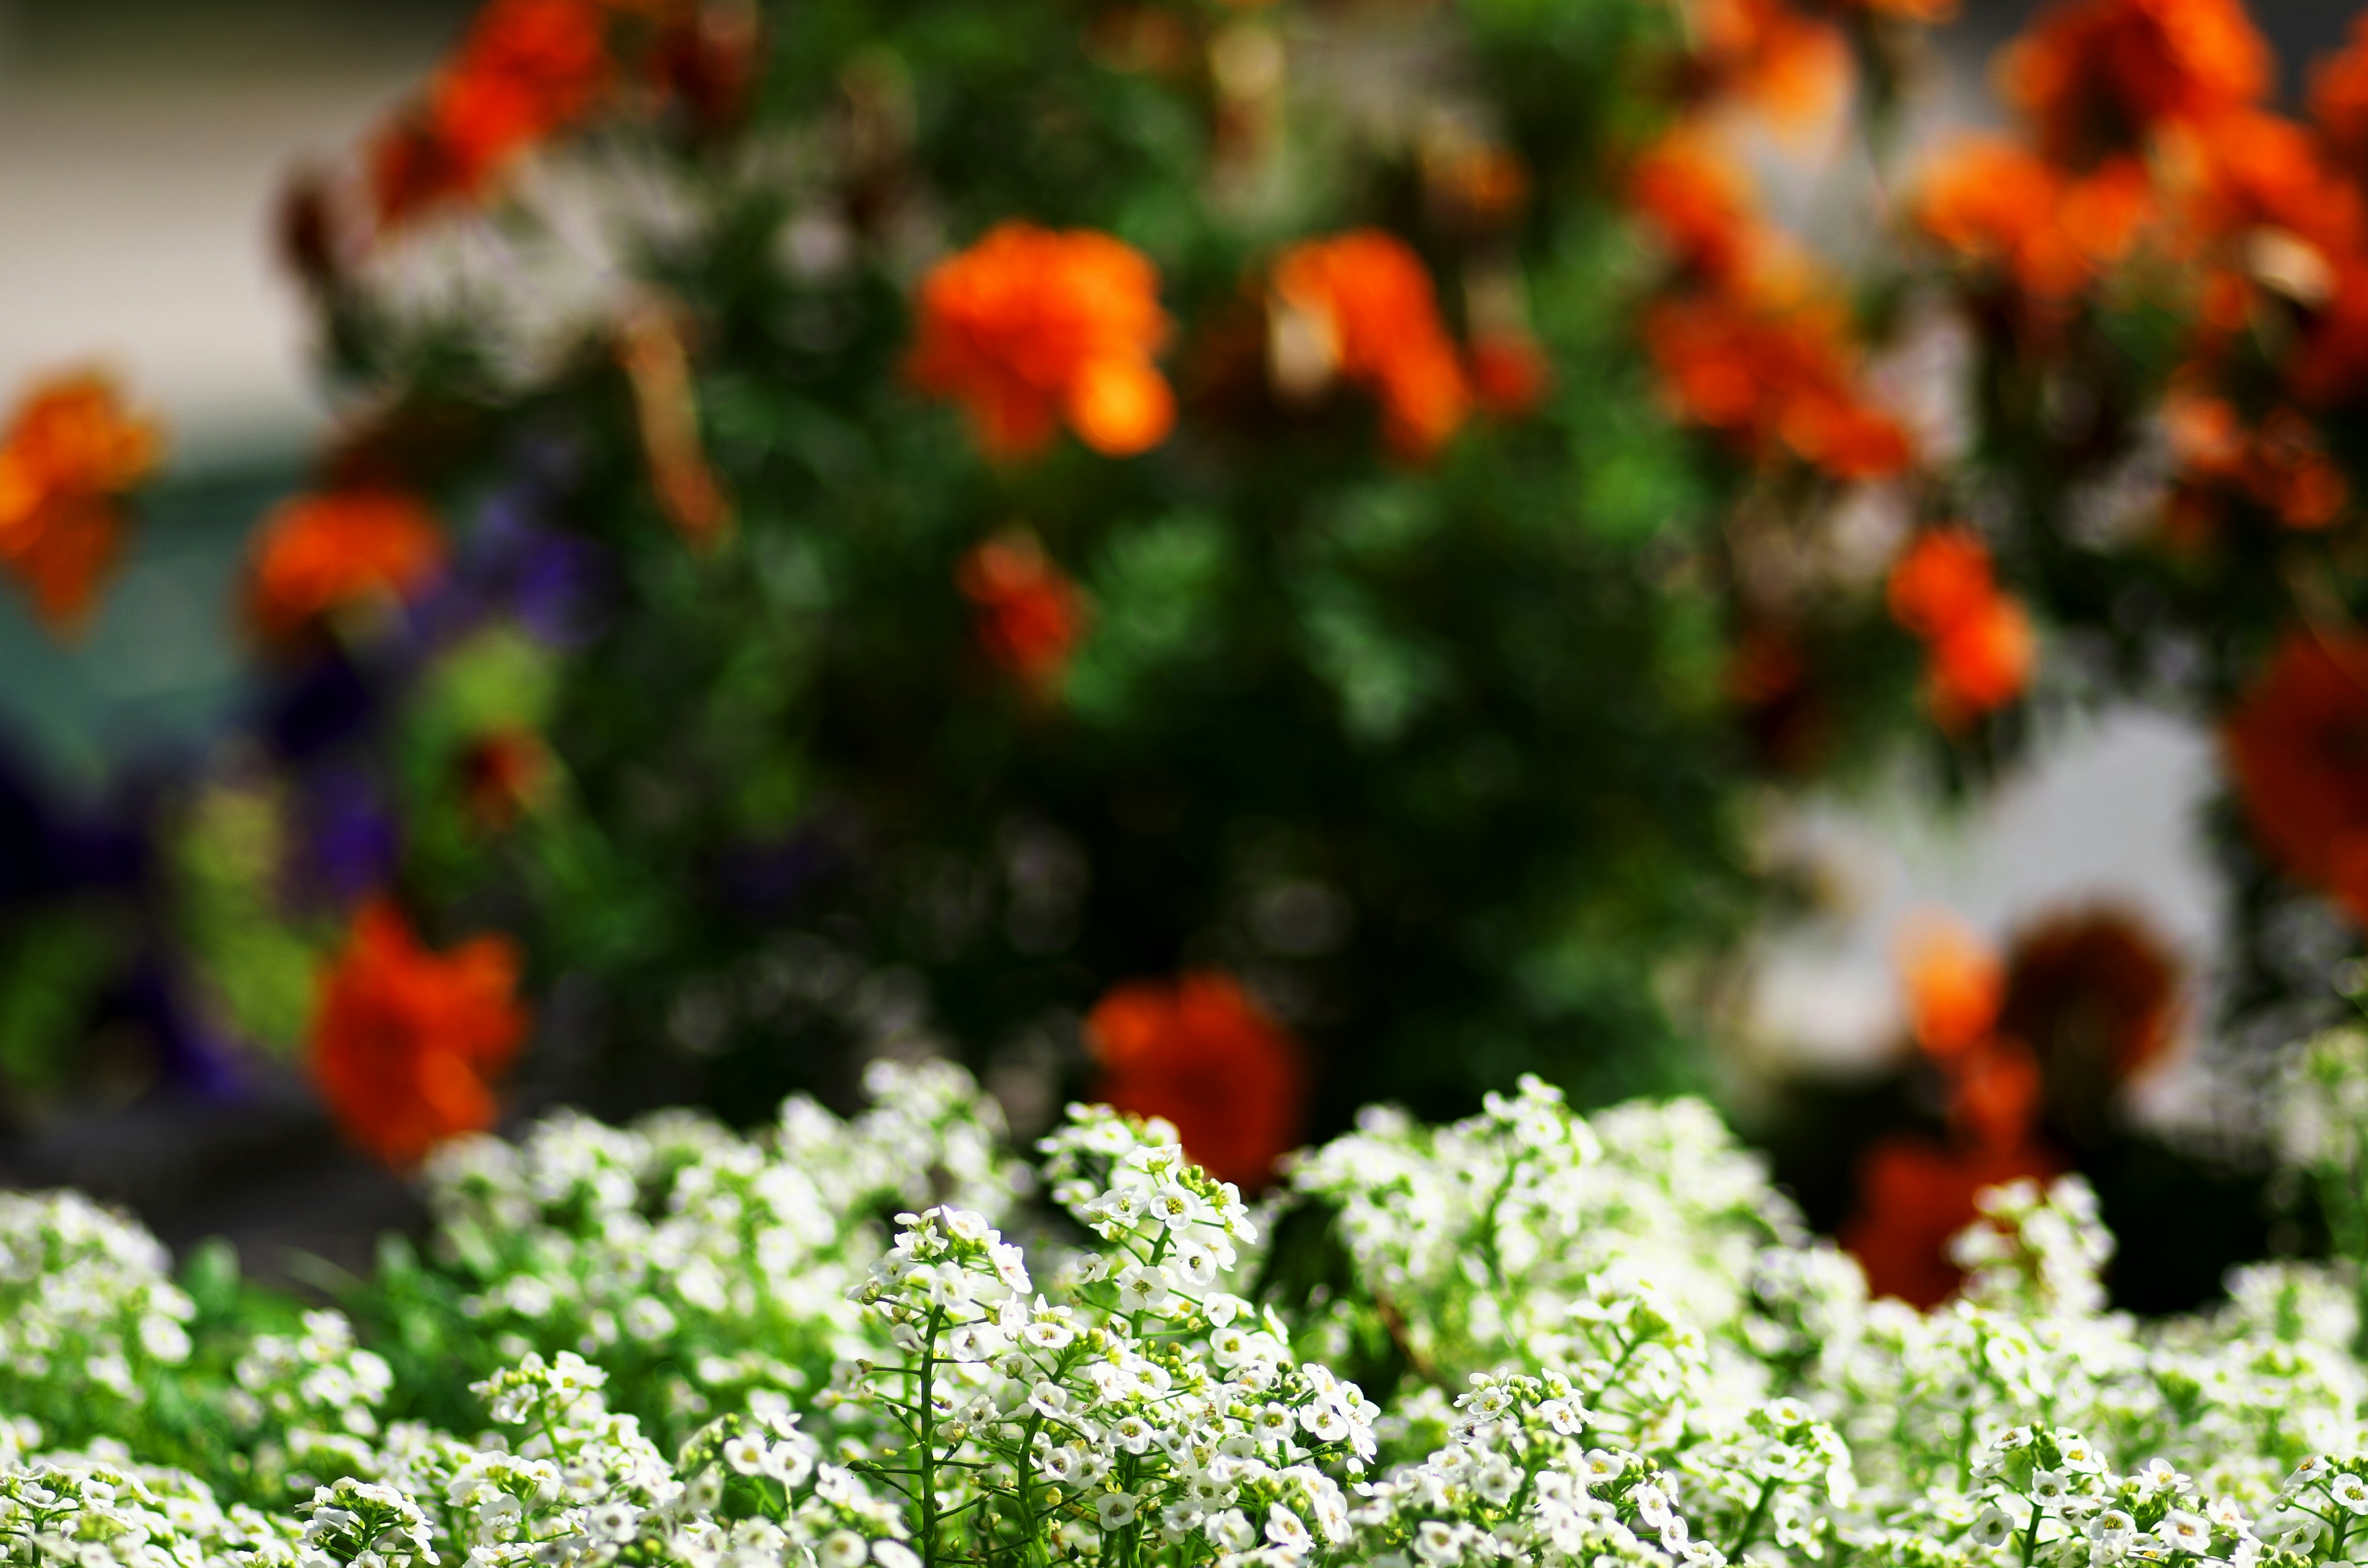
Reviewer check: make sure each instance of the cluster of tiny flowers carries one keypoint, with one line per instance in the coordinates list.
(1597, 1342)
(88, 1307)
(722, 1264)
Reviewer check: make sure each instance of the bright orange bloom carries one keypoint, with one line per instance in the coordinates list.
(1914, 1194)
(1773, 378)
(1796, 68)
(527, 69)
(2103, 75)
(2298, 747)
(70, 455)
(318, 553)
(1510, 373)
(1982, 648)
(2049, 232)
(1205, 1056)
(1364, 305)
(1031, 617)
(1941, 580)
(1029, 328)
(1954, 984)
(1700, 201)
(1983, 663)
(406, 1042)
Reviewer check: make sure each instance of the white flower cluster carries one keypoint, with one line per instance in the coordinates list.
(705, 1264)
(1605, 1342)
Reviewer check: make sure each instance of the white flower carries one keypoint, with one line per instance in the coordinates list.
(1142, 1287)
(1435, 1542)
(2350, 1492)
(2183, 1531)
(841, 1548)
(1114, 1510)
(744, 1453)
(894, 1555)
(1230, 1530)
(1991, 1527)
(1287, 1530)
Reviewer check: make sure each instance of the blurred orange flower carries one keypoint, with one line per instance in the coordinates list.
(318, 553)
(71, 454)
(1031, 327)
(2298, 747)
(1686, 187)
(1774, 378)
(2049, 232)
(2100, 76)
(1205, 1056)
(1955, 985)
(1979, 639)
(527, 69)
(1359, 306)
(1510, 373)
(406, 1042)
(1031, 617)
(1796, 68)
(1914, 1194)
(2282, 466)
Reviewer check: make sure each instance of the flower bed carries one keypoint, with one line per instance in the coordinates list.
(1526, 1338)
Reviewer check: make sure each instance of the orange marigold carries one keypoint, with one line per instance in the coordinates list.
(1796, 68)
(1771, 379)
(1029, 328)
(70, 455)
(527, 69)
(1980, 641)
(318, 553)
(2103, 75)
(1205, 1056)
(1701, 203)
(2049, 232)
(406, 1042)
(1914, 1194)
(2298, 747)
(1954, 984)
(1031, 617)
(1362, 307)
(2095, 992)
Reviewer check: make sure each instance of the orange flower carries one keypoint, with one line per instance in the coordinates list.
(405, 1042)
(1510, 373)
(1029, 328)
(1980, 641)
(1795, 67)
(527, 69)
(1954, 984)
(1914, 1195)
(319, 553)
(1202, 1054)
(2283, 466)
(2298, 747)
(1362, 306)
(70, 455)
(1031, 617)
(1686, 188)
(2103, 75)
(1772, 378)
(2049, 232)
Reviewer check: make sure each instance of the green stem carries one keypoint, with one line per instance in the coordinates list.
(1759, 1516)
